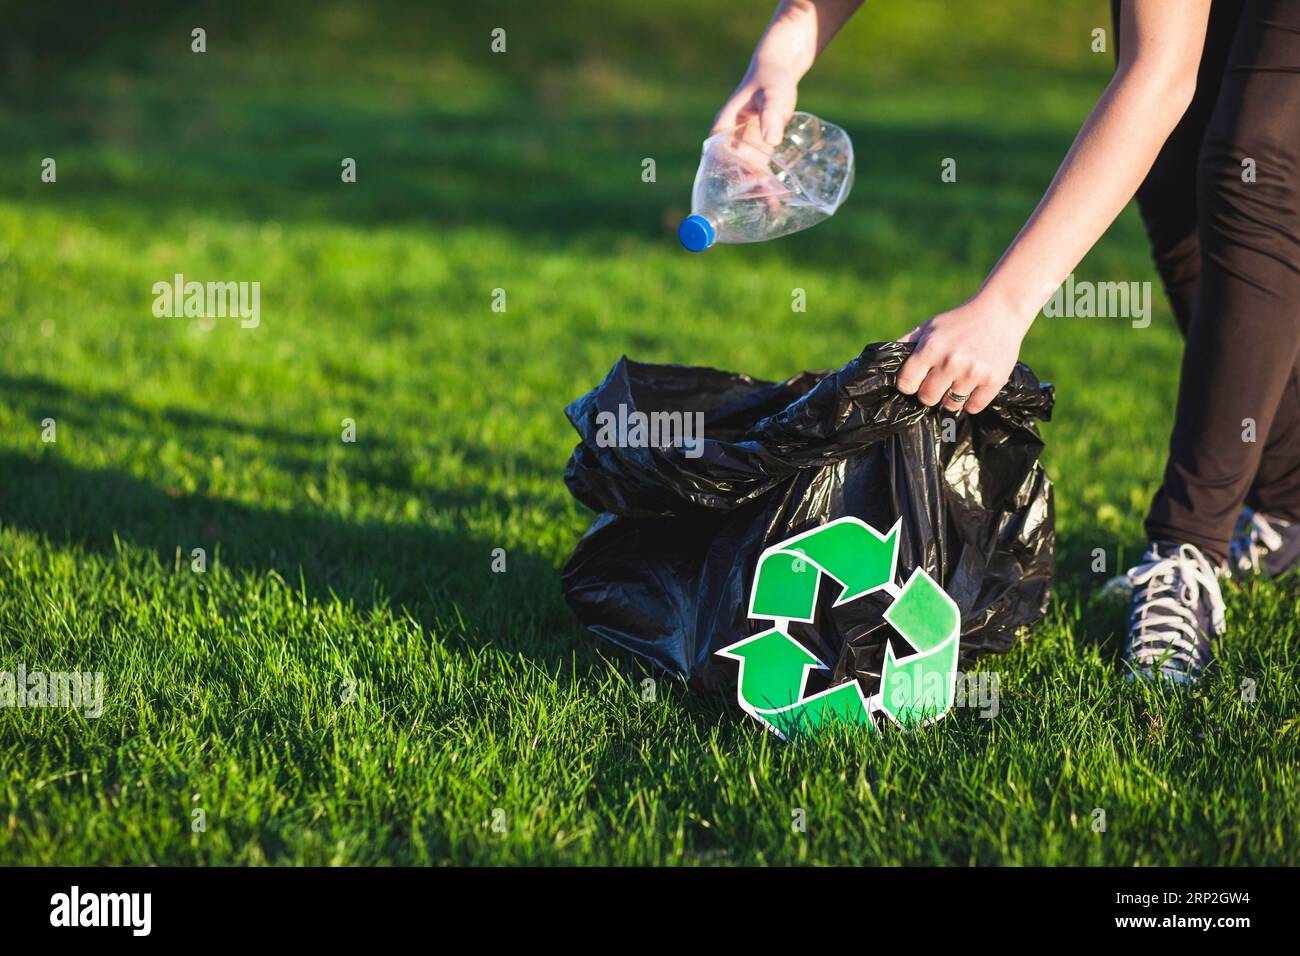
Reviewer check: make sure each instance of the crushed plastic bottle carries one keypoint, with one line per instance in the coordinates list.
(747, 190)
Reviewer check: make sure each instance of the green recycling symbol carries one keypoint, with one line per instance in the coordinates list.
(914, 690)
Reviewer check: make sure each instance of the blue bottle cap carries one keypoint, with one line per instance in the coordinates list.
(695, 233)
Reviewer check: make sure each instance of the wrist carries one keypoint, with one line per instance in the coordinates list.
(789, 46)
(777, 68)
(1017, 308)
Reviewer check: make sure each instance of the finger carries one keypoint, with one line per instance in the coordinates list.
(964, 386)
(732, 114)
(981, 398)
(935, 386)
(910, 336)
(725, 120)
(777, 111)
(773, 127)
(913, 372)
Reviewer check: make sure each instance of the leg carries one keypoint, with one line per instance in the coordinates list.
(1243, 340)
(1167, 197)
(1167, 201)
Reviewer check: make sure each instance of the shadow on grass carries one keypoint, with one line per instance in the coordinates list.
(443, 578)
(368, 563)
(1081, 576)
(383, 464)
(677, 38)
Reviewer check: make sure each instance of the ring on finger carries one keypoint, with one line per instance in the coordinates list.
(957, 398)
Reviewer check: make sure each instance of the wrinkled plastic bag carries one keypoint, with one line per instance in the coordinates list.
(665, 569)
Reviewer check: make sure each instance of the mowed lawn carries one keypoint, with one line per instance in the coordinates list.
(349, 681)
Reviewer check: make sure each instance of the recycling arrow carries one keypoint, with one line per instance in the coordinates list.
(774, 667)
(847, 550)
(773, 673)
(921, 687)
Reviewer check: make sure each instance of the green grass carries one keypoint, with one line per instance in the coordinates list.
(366, 567)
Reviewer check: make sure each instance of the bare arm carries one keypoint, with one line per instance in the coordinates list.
(972, 349)
(795, 37)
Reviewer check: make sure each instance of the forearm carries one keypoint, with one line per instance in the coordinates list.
(799, 31)
(1103, 169)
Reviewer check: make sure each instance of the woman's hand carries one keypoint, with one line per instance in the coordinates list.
(969, 350)
(798, 32)
(768, 92)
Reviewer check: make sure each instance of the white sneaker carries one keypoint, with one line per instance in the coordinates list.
(1175, 611)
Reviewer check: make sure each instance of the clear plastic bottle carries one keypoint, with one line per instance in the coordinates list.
(747, 190)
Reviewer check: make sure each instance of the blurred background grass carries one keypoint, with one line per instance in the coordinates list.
(519, 171)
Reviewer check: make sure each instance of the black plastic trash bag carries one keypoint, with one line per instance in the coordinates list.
(665, 570)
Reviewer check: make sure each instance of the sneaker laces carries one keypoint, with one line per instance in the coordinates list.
(1255, 540)
(1166, 593)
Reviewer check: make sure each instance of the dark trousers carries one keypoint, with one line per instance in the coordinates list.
(1228, 252)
